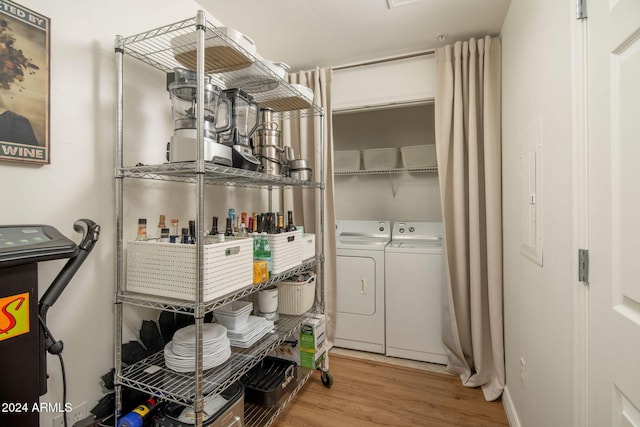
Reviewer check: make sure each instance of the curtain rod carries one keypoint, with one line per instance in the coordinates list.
(383, 60)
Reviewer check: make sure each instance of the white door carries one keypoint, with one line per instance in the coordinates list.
(356, 285)
(613, 29)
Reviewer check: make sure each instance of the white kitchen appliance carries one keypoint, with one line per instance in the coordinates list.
(181, 84)
(360, 317)
(415, 292)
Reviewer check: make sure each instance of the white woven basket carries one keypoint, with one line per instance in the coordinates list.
(286, 250)
(169, 269)
(296, 298)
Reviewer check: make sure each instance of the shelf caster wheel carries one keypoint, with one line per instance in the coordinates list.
(326, 377)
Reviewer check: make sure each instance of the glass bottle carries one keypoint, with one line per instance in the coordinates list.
(161, 225)
(256, 246)
(142, 229)
(290, 226)
(242, 231)
(280, 223)
(192, 232)
(174, 227)
(229, 228)
(214, 226)
(185, 236)
(164, 235)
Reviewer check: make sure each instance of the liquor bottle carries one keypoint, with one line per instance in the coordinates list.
(265, 249)
(250, 225)
(280, 223)
(185, 236)
(254, 216)
(214, 226)
(258, 224)
(242, 231)
(232, 216)
(228, 229)
(192, 232)
(161, 225)
(174, 227)
(142, 229)
(164, 235)
(290, 226)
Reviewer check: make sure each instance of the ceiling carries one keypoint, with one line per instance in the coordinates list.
(310, 33)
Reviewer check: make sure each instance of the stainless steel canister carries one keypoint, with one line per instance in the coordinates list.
(268, 143)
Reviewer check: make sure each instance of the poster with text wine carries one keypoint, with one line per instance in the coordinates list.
(24, 84)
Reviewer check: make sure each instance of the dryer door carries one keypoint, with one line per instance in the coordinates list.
(356, 285)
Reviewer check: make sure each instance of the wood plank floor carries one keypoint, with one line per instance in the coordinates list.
(373, 393)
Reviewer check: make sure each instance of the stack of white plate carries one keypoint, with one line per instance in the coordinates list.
(255, 328)
(180, 353)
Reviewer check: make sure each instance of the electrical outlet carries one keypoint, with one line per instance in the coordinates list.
(79, 412)
(523, 372)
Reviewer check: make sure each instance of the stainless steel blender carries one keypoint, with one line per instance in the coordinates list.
(243, 122)
(181, 84)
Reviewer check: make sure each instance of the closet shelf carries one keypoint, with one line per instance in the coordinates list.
(385, 171)
(213, 174)
(189, 307)
(152, 376)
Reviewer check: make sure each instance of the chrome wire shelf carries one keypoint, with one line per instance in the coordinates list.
(152, 376)
(188, 307)
(259, 416)
(213, 175)
(174, 45)
(385, 171)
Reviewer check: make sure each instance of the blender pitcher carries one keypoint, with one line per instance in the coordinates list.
(243, 122)
(182, 87)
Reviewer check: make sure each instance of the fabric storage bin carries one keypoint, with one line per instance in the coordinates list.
(419, 156)
(346, 160)
(296, 297)
(169, 269)
(286, 250)
(381, 158)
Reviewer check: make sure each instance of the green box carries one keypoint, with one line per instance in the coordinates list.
(312, 359)
(313, 333)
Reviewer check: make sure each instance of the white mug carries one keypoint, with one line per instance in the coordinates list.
(268, 300)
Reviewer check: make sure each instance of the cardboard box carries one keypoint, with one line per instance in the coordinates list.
(312, 360)
(313, 333)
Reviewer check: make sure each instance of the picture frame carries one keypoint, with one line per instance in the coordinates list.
(24, 84)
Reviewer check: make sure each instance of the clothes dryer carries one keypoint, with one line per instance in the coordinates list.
(415, 292)
(360, 318)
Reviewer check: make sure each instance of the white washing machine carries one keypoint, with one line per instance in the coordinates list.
(415, 292)
(360, 318)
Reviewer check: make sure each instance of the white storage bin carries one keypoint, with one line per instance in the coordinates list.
(308, 246)
(419, 156)
(296, 298)
(286, 250)
(381, 158)
(169, 269)
(346, 160)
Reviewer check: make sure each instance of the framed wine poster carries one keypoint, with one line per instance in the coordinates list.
(24, 84)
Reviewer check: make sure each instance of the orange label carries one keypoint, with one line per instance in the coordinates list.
(14, 316)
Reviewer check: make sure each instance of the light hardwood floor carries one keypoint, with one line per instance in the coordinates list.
(376, 393)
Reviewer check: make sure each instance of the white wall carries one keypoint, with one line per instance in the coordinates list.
(79, 181)
(407, 196)
(536, 40)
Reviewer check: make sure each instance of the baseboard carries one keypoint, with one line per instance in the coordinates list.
(509, 409)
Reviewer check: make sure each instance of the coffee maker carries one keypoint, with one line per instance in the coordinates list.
(243, 120)
(181, 84)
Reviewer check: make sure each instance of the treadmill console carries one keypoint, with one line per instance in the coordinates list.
(24, 244)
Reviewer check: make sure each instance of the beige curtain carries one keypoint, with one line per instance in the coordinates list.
(468, 142)
(303, 135)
